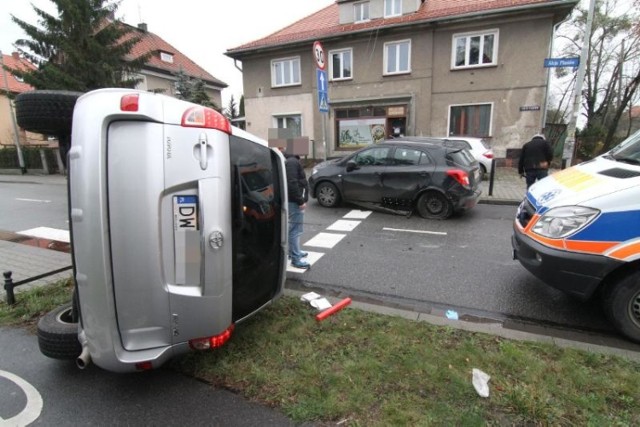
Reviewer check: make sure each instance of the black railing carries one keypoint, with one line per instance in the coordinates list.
(9, 284)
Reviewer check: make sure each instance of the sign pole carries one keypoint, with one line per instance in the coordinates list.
(323, 90)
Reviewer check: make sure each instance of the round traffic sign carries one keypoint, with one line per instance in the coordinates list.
(318, 55)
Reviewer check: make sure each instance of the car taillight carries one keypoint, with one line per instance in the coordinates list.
(144, 366)
(488, 154)
(129, 102)
(459, 175)
(209, 343)
(203, 117)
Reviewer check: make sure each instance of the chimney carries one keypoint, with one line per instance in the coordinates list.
(143, 27)
(16, 55)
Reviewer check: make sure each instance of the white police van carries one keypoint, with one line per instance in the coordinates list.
(578, 230)
(178, 226)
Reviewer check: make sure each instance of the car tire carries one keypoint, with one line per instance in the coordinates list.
(434, 205)
(327, 195)
(483, 172)
(49, 112)
(58, 334)
(622, 305)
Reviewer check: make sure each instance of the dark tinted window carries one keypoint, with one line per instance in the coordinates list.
(409, 157)
(461, 157)
(377, 156)
(256, 223)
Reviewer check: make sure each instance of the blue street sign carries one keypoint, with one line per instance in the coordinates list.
(323, 95)
(561, 62)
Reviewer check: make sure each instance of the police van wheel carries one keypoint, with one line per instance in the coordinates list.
(622, 306)
(48, 112)
(58, 334)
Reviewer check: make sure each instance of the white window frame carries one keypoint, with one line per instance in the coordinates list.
(166, 57)
(288, 62)
(387, 46)
(282, 116)
(467, 37)
(492, 110)
(395, 6)
(358, 11)
(340, 52)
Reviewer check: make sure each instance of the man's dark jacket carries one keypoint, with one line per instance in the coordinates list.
(297, 185)
(536, 154)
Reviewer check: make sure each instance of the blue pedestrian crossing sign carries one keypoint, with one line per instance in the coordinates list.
(323, 94)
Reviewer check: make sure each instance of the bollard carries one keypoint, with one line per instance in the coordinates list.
(8, 288)
(492, 176)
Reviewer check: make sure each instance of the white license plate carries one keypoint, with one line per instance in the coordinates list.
(185, 213)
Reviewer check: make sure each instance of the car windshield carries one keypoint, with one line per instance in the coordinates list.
(628, 151)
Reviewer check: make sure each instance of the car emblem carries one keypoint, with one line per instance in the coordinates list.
(216, 239)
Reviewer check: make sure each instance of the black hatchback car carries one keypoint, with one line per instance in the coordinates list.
(402, 175)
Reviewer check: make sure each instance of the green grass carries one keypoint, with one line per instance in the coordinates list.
(375, 370)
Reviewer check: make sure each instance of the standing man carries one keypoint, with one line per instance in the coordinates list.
(298, 192)
(535, 159)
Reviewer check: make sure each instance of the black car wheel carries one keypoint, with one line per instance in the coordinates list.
(46, 111)
(327, 195)
(483, 173)
(622, 305)
(434, 205)
(58, 334)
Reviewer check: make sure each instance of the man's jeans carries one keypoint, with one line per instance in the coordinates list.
(533, 175)
(295, 232)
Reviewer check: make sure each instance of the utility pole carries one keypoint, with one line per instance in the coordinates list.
(23, 169)
(570, 141)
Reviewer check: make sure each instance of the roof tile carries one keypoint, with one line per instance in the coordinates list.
(14, 61)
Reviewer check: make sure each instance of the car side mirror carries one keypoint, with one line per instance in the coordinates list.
(351, 165)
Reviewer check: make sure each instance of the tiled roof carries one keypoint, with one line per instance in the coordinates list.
(150, 42)
(325, 22)
(14, 61)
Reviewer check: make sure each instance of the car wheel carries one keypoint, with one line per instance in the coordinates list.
(49, 112)
(327, 195)
(622, 305)
(483, 172)
(58, 334)
(434, 205)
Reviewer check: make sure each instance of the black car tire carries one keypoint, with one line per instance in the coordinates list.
(434, 205)
(58, 334)
(622, 305)
(49, 112)
(327, 195)
(483, 172)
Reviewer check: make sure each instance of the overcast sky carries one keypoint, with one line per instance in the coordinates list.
(201, 29)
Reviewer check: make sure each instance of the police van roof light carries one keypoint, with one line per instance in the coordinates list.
(203, 117)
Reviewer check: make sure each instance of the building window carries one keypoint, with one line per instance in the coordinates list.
(292, 122)
(285, 72)
(361, 11)
(397, 57)
(470, 120)
(392, 8)
(166, 57)
(340, 64)
(20, 79)
(475, 49)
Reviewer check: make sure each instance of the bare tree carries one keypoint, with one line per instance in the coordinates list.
(612, 73)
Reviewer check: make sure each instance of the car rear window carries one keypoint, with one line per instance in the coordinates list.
(461, 157)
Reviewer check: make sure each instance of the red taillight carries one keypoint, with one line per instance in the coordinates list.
(129, 102)
(203, 117)
(209, 343)
(488, 154)
(144, 366)
(459, 175)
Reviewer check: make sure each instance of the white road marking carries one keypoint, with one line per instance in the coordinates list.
(325, 240)
(437, 233)
(311, 259)
(47, 233)
(342, 225)
(31, 410)
(33, 200)
(357, 214)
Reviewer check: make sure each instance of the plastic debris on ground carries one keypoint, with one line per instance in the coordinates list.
(316, 301)
(451, 314)
(480, 382)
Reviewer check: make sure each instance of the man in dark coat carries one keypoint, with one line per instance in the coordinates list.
(298, 192)
(535, 159)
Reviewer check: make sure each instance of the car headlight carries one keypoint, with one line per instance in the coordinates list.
(561, 222)
(314, 171)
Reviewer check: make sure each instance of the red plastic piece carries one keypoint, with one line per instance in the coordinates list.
(329, 311)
